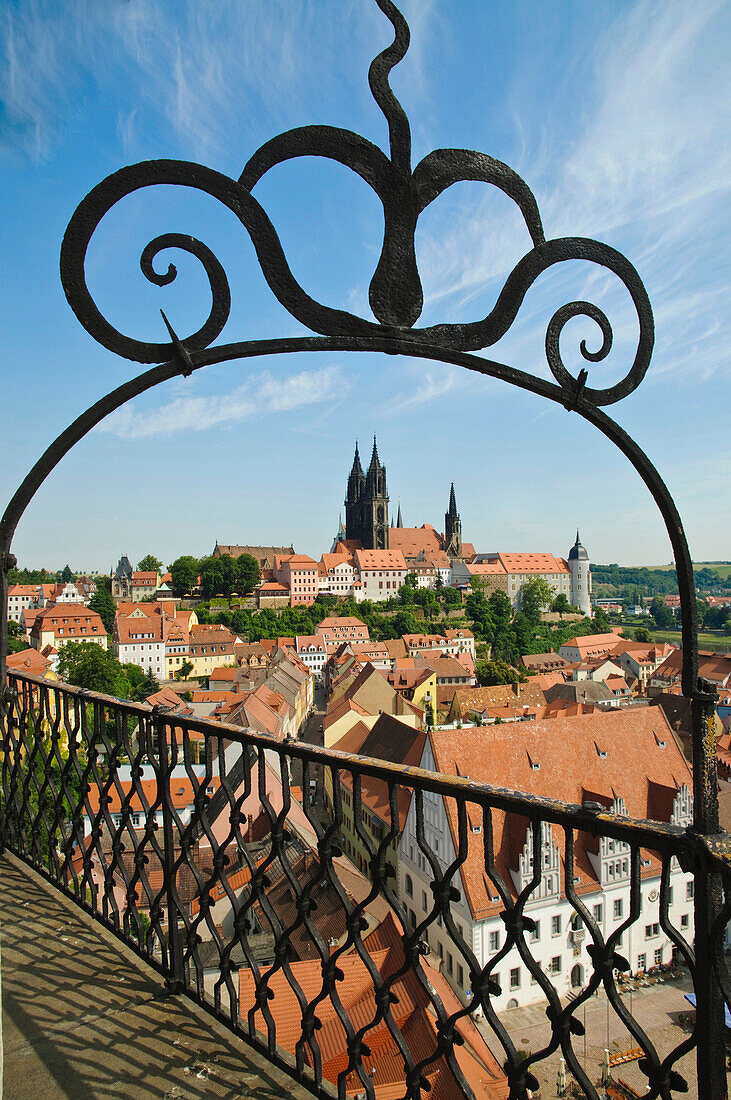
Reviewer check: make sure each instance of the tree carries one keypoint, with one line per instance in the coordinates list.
(561, 604)
(601, 622)
(498, 672)
(184, 671)
(662, 615)
(66, 574)
(248, 574)
(642, 634)
(535, 595)
(451, 597)
(13, 628)
(184, 572)
(212, 581)
(404, 622)
(104, 605)
(149, 564)
(147, 686)
(87, 665)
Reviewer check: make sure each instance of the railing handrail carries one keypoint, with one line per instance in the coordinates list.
(643, 831)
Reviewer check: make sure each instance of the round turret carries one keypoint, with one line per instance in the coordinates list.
(577, 551)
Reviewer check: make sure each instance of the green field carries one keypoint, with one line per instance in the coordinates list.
(721, 643)
(722, 568)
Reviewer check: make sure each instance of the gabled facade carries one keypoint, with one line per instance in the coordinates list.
(630, 763)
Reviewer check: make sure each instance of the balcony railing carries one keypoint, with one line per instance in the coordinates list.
(104, 798)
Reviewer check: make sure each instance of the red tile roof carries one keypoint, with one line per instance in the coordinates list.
(641, 763)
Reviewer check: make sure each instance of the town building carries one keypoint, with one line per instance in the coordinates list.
(630, 763)
(298, 574)
(61, 623)
(139, 639)
(263, 555)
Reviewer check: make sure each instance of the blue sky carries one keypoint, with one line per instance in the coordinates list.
(615, 114)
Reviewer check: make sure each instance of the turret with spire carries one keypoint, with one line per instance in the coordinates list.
(452, 528)
(399, 520)
(580, 570)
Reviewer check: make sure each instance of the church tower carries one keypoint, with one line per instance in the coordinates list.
(375, 505)
(354, 499)
(366, 505)
(452, 528)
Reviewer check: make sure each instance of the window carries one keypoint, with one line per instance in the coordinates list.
(536, 933)
(658, 957)
(423, 900)
(652, 930)
(575, 922)
(684, 920)
(555, 965)
(617, 908)
(515, 978)
(449, 963)
(689, 890)
(598, 914)
(555, 926)
(642, 962)
(494, 941)
(460, 975)
(409, 886)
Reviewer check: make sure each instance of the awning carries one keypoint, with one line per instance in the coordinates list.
(690, 997)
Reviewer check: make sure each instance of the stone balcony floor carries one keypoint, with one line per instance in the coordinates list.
(84, 1018)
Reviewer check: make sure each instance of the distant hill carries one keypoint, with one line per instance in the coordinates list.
(657, 580)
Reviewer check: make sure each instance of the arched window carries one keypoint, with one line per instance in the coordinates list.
(409, 885)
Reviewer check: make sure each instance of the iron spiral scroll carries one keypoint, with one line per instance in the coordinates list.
(396, 301)
(395, 292)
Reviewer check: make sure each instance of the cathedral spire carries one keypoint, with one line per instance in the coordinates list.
(452, 502)
(375, 461)
(357, 468)
(399, 521)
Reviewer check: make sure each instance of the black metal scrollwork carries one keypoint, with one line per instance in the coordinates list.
(395, 293)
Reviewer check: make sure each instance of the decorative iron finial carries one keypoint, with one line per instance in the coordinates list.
(395, 292)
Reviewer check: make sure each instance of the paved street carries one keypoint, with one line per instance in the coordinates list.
(657, 1009)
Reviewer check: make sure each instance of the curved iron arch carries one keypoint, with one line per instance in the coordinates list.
(396, 300)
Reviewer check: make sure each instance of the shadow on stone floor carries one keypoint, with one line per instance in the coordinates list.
(83, 1018)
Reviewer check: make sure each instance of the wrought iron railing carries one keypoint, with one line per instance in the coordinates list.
(60, 747)
(91, 798)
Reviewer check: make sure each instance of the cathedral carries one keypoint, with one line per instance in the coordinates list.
(366, 517)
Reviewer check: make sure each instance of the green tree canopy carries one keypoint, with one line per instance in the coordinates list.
(66, 574)
(104, 605)
(535, 595)
(451, 597)
(184, 572)
(642, 634)
(248, 574)
(150, 564)
(498, 672)
(184, 671)
(87, 665)
(561, 604)
(601, 622)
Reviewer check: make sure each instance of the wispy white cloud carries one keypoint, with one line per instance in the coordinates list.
(432, 385)
(221, 74)
(259, 397)
(644, 160)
